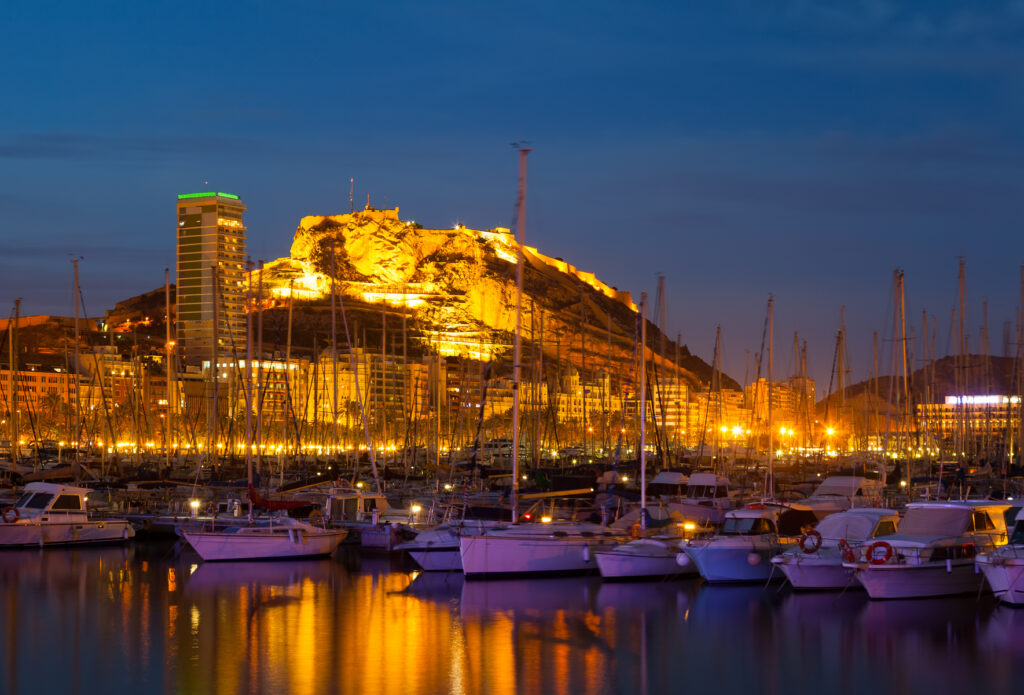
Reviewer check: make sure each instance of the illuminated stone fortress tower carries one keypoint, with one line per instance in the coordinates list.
(211, 265)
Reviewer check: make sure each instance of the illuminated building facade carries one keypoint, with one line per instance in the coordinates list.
(210, 266)
(970, 418)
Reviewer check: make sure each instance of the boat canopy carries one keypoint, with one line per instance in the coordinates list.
(852, 527)
(935, 521)
(843, 486)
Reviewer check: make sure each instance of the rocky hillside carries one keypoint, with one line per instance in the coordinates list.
(456, 290)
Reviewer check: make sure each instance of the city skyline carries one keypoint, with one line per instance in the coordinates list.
(802, 150)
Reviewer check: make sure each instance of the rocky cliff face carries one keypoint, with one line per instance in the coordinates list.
(457, 289)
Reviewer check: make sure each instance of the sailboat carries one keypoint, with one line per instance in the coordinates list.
(553, 547)
(276, 537)
(643, 557)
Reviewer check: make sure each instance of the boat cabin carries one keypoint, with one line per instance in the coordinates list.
(857, 525)
(761, 519)
(708, 487)
(668, 484)
(347, 504)
(51, 500)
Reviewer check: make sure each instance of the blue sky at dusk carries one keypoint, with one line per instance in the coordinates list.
(800, 148)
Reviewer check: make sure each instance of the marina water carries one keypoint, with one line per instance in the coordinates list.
(152, 618)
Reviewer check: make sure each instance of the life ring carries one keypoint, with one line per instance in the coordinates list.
(968, 550)
(874, 559)
(10, 518)
(316, 517)
(636, 531)
(810, 541)
(846, 550)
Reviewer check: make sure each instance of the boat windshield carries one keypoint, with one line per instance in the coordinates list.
(1018, 534)
(935, 521)
(747, 527)
(852, 527)
(34, 500)
(705, 491)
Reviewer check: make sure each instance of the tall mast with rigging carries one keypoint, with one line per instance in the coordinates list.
(520, 228)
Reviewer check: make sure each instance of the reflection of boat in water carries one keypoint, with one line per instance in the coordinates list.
(38, 568)
(818, 608)
(1004, 632)
(210, 576)
(440, 587)
(725, 607)
(536, 595)
(936, 616)
(648, 597)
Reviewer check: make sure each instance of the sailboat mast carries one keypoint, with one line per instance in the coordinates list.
(770, 487)
(1020, 375)
(520, 230)
(906, 376)
(12, 343)
(643, 411)
(248, 382)
(334, 366)
(167, 369)
(211, 451)
(78, 399)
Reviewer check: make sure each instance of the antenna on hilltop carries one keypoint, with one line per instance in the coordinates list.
(351, 193)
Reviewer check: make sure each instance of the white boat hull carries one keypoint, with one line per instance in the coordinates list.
(283, 542)
(640, 560)
(438, 559)
(1005, 576)
(734, 560)
(379, 536)
(927, 580)
(507, 555)
(28, 533)
(817, 573)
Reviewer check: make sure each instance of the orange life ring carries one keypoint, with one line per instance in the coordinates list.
(636, 531)
(874, 559)
(8, 517)
(846, 550)
(968, 550)
(810, 547)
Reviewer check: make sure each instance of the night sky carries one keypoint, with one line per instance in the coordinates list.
(803, 148)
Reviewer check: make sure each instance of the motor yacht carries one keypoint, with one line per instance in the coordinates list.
(817, 561)
(749, 538)
(50, 514)
(1003, 567)
(933, 552)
